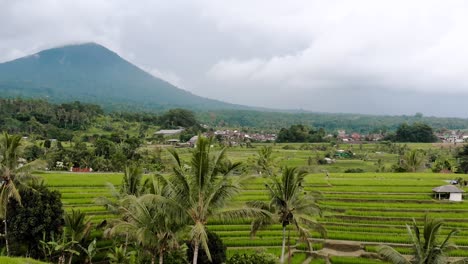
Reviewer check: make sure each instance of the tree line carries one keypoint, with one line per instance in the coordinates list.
(360, 123)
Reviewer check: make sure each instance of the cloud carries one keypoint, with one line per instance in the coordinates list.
(311, 54)
(385, 44)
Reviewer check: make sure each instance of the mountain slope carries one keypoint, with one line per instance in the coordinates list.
(91, 73)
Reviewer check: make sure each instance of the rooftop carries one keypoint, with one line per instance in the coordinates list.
(169, 131)
(447, 189)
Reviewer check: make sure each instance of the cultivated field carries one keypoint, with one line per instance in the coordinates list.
(369, 208)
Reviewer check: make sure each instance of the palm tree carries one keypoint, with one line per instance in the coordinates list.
(77, 227)
(9, 154)
(428, 247)
(413, 160)
(264, 160)
(149, 223)
(289, 204)
(131, 183)
(200, 191)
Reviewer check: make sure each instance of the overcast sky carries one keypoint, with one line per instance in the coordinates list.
(380, 57)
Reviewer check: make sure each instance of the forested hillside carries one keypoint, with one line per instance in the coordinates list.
(330, 122)
(54, 120)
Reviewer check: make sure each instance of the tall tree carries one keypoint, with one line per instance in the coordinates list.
(417, 132)
(200, 192)
(13, 175)
(289, 204)
(178, 118)
(9, 155)
(149, 223)
(462, 158)
(428, 246)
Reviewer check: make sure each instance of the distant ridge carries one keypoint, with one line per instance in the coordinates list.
(92, 73)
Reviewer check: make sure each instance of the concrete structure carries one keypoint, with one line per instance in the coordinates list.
(169, 132)
(450, 192)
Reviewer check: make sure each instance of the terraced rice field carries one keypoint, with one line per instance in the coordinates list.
(371, 208)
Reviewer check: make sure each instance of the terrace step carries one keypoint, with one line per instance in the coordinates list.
(368, 243)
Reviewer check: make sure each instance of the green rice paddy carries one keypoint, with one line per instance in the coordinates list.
(371, 208)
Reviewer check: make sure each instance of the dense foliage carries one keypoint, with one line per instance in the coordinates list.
(39, 216)
(301, 133)
(462, 157)
(44, 119)
(416, 132)
(252, 259)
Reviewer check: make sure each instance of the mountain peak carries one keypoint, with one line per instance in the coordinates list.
(90, 72)
(85, 53)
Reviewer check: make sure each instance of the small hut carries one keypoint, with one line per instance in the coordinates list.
(448, 192)
(173, 141)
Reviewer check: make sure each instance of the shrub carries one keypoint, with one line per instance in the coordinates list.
(264, 258)
(289, 147)
(354, 170)
(322, 162)
(41, 212)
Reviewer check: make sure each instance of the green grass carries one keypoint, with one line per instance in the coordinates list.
(7, 260)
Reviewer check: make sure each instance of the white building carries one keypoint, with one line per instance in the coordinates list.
(450, 192)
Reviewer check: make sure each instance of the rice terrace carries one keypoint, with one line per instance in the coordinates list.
(360, 210)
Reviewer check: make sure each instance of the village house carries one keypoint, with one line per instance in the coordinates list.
(238, 136)
(452, 136)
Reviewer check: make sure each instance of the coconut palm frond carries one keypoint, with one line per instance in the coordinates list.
(392, 255)
(7, 191)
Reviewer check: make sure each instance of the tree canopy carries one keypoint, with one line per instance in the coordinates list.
(416, 132)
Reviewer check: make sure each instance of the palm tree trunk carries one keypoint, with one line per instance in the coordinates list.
(61, 259)
(6, 237)
(70, 259)
(152, 259)
(195, 252)
(161, 257)
(283, 247)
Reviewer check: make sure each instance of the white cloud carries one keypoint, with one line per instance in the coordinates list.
(266, 52)
(401, 45)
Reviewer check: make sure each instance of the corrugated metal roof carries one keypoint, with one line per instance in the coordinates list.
(447, 189)
(169, 131)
